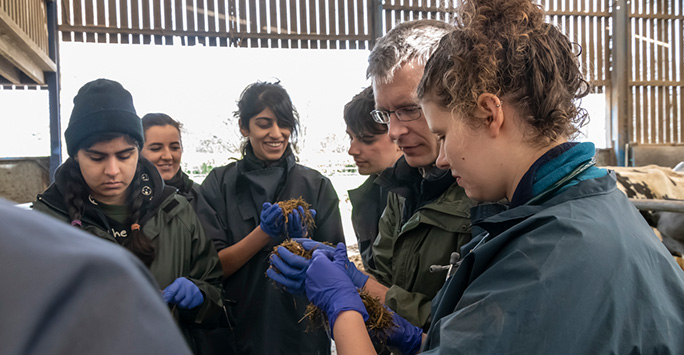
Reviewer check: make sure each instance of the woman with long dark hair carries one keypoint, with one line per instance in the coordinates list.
(106, 188)
(245, 222)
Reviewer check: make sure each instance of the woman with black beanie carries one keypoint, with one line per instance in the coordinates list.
(106, 188)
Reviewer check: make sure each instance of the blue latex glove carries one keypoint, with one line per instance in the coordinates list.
(404, 337)
(295, 226)
(292, 270)
(328, 286)
(358, 278)
(272, 221)
(183, 293)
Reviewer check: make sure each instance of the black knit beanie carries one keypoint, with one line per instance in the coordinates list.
(102, 106)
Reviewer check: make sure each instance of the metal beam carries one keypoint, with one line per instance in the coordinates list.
(53, 83)
(658, 205)
(620, 74)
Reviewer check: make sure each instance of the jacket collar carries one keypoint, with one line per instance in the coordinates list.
(496, 223)
(152, 188)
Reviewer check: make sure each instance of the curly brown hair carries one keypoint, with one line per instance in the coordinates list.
(504, 47)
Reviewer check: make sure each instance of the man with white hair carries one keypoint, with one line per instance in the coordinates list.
(427, 215)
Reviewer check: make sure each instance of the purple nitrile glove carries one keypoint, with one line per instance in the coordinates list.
(404, 337)
(295, 226)
(272, 221)
(292, 270)
(328, 286)
(358, 278)
(183, 293)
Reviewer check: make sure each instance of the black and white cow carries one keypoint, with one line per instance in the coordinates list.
(661, 183)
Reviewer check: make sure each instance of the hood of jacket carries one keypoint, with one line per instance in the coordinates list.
(152, 188)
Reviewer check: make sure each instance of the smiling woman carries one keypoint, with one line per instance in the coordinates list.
(164, 148)
(238, 210)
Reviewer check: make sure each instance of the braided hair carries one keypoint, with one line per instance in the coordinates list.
(77, 193)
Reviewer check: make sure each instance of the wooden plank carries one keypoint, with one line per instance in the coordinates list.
(123, 18)
(9, 71)
(22, 53)
(323, 24)
(135, 20)
(262, 26)
(273, 24)
(78, 20)
(388, 19)
(101, 19)
(636, 114)
(343, 20)
(308, 23)
(359, 24)
(190, 18)
(212, 18)
(156, 21)
(89, 21)
(592, 70)
(201, 20)
(168, 19)
(113, 21)
(652, 76)
(294, 21)
(179, 21)
(241, 26)
(283, 24)
(66, 18)
(365, 22)
(146, 22)
(222, 20)
(252, 23)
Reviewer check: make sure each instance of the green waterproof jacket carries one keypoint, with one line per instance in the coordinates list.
(181, 247)
(404, 252)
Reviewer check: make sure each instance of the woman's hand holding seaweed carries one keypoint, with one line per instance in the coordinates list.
(292, 269)
(296, 223)
(272, 221)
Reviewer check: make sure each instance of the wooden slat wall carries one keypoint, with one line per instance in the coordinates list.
(587, 25)
(30, 17)
(336, 24)
(656, 42)
(656, 39)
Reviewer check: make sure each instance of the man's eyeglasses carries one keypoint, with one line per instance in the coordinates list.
(404, 114)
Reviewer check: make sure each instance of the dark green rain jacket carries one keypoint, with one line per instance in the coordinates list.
(406, 248)
(181, 247)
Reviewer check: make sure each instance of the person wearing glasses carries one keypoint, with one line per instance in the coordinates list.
(568, 266)
(427, 214)
(373, 151)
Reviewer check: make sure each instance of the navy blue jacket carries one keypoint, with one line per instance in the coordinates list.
(579, 273)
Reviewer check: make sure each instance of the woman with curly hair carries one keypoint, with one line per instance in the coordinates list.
(107, 188)
(568, 266)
